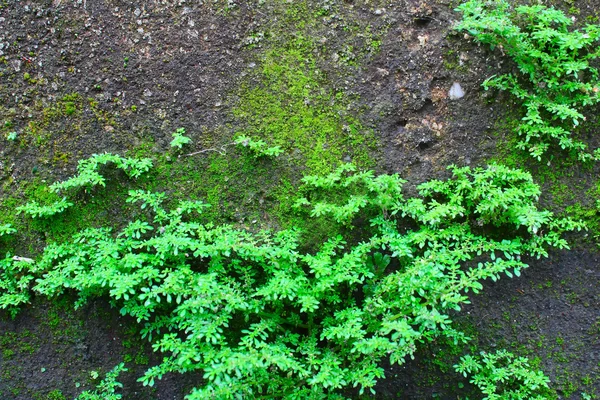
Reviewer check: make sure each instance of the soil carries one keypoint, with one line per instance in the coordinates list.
(79, 77)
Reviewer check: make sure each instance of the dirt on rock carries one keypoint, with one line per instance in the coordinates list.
(132, 71)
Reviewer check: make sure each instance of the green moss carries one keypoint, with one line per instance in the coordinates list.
(507, 152)
(292, 105)
(287, 101)
(592, 19)
(18, 344)
(452, 61)
(69, 105)
(134, 347)
(587, 213)
(55, 120)
(102, 116)
(292, 110)
(56, 395)
(7, 354)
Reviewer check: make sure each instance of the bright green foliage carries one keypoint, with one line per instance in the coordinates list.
(179, 140)
(502, 376)
(35, 210)
(88, 176)
(555, 81)
(107, 387)
(16, 277)
(264, 318)
(258, 147)
(6, 229)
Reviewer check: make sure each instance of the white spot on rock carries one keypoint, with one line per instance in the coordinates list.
(456, 92)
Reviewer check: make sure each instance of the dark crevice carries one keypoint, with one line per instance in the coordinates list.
(422, 22)
(401, 123)
(424, 145)
(427, 106)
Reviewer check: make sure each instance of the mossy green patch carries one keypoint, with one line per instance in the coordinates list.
(16, 344)
(289, 100)
(293, 104)
(56, 395)
(54, 120)
(590, 215)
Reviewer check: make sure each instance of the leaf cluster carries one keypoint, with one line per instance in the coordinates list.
(16, 278)
(88, 176)
(179, 139)
(556, 78)
(105, 390)
(258, 147)
(263, 318)
(503, 376)
(6, 229)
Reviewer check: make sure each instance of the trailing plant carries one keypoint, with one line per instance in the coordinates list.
(105, 390)
(556, 80)
(88, 176)
(35, 210)
(263, 317)
(503, 376)
(258, 147)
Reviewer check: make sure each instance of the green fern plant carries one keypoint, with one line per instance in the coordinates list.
(556, 79)
(17, 275)
(262, 317)
(16, 278)
(35, 210)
